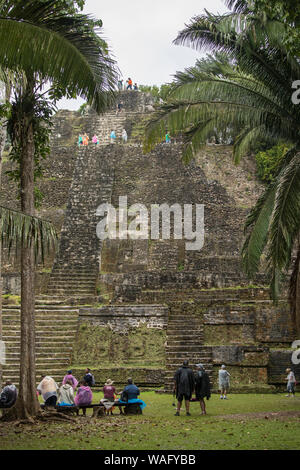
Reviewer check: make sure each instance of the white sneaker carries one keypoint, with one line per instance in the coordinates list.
(221, 397)
(225, 398)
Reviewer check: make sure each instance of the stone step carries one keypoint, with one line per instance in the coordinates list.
(193, 358)
(41, 361)
(40, 310)
(55, 301)
(77, 291)
(41, 340)
(44, 332)
(75, 269)
(183, 346)
(170, 377)
(191, 333)
(179, 340)
(176, 353)
(88, 280)
(175, 335)
(42, 345)
(41, 318)
(71, 284)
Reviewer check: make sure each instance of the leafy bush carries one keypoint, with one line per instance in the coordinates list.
(269, 160)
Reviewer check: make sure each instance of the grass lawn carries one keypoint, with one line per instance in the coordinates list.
(245, 421)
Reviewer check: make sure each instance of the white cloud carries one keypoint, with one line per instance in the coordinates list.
(140, 35)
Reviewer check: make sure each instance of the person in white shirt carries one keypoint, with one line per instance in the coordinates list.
(124, 136)
(223, 381)
(291, 382)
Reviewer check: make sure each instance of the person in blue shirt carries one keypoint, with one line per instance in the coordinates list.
(131, 390)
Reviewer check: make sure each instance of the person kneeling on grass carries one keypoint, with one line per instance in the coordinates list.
(66, 394)
(202, 386)
(84, 395)
(184, 383)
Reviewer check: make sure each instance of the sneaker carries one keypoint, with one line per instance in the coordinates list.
(287, 395)
(177, 413)
(225, 398)
(188, 414)
(221, 397)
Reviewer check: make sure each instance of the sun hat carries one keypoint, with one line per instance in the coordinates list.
(109, 382)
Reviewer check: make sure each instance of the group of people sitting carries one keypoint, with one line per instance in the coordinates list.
(65, 395)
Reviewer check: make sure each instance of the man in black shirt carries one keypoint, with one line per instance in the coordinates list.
(184, 383)
(89, 378)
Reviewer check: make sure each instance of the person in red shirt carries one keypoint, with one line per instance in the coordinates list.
(129, 86)
(109, 396)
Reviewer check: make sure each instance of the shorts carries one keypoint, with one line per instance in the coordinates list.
(291, 387)
(182, 396)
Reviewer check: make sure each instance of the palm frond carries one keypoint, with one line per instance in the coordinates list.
(257, 227)
(294, 291)
(37, 36)
(18, 229)
(285, 224)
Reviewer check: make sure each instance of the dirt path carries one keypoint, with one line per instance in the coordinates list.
(282, 415)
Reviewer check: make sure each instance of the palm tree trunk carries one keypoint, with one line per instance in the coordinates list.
(27, 404)
(27, 395)
(2, 145)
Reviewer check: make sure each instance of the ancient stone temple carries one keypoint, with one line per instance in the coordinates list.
(139, 307)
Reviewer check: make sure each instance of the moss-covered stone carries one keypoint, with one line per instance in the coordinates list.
(99, 346)
(228, 334)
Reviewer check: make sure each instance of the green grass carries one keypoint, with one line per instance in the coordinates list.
(159, 429)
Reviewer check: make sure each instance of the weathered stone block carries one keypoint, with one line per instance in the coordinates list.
(229, 334)
(280, 360)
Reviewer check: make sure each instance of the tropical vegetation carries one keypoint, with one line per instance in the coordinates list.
(246, 87)
(50, 50)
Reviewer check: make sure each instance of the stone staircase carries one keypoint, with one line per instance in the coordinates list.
(56, 327)
(184, 341)
(110, 121)
(73, 283)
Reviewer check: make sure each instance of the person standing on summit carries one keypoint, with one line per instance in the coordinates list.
(184, 384)
(129, 84)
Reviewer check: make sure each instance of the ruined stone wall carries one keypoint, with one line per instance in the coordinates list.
(240, 326)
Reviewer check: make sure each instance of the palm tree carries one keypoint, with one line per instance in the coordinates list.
(40, 39)
(248, 86)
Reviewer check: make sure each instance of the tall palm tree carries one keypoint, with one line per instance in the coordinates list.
(250, 89)
(40, 39)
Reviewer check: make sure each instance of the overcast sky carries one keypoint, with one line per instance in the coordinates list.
(140, 35)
